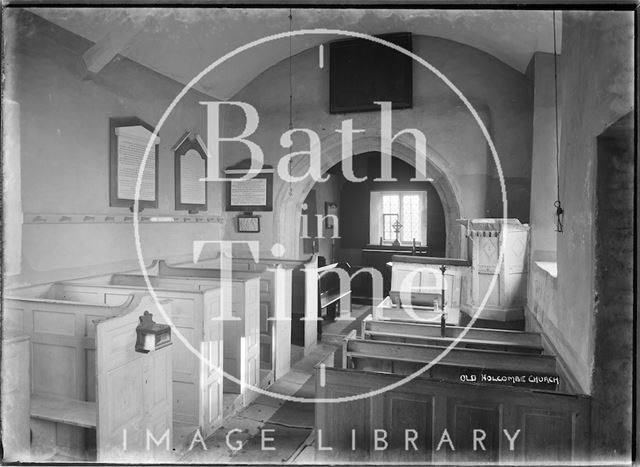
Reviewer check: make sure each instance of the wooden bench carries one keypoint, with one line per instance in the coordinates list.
(468, 358)
(63, 410)
(551, 427)
(387, 310)
(429, 334)
(459, 364)
(85, 371)
(241, 343)
(331, 299)
(276, 347)
(197, 382)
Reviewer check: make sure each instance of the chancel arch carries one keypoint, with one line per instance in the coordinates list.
(289, 197)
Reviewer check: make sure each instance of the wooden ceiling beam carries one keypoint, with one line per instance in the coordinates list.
(116, 40)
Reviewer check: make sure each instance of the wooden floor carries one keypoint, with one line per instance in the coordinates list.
(292, 427)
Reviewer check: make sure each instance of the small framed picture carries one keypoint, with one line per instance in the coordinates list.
(248, 224)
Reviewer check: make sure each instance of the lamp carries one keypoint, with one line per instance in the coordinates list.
(150, 335)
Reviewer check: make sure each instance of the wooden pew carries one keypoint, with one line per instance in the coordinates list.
(553, 427)
(197, 383)
(241, 346)
(275, 335)
(303, 298)
(87, 378)
(387, 310)
(429, 334)
(331, 300)
(459, 364)
(469, 358)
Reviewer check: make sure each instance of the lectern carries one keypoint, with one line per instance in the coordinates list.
(485, 237)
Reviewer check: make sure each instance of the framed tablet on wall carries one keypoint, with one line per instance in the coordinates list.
(253, 194)
(190, 168)
(128, 139)
(248, 224)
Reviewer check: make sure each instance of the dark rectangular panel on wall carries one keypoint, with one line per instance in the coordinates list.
(363, 72)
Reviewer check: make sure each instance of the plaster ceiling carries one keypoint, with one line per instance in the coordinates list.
(181, 42)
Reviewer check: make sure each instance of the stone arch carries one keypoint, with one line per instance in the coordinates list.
(288, 198)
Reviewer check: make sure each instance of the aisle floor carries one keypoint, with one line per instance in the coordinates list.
(291, 422)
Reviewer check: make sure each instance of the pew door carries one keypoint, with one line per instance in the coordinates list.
(281, 331)
(134, 394)
(251, 337)
(211, 369)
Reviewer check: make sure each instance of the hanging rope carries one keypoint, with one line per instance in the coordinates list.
(290, 91)
(557, 204)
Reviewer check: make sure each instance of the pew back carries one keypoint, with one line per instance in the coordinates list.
(550, 427)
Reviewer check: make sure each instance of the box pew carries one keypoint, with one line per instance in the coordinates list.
(458, 364)
(304, 306)
(241, 346)
(553, 427)
(197, 383)
(275, 335)
(429, 334)
(69, 371)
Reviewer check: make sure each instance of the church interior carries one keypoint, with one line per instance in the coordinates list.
(318, 236)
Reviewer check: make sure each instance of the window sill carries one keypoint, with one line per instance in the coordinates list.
(549, 267)
(420, 251)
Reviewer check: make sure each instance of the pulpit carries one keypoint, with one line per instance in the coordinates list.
(485, 238)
